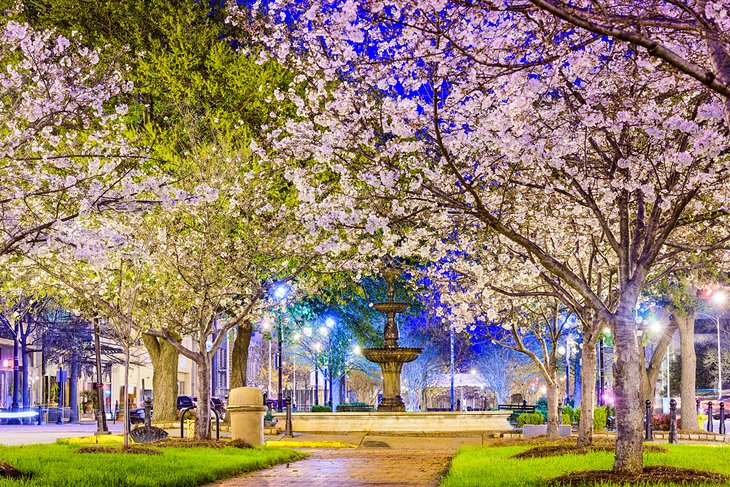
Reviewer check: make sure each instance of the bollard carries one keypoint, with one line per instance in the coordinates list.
(648, 436)
(40, 414)
(289, 432)
(722, 419)
(148, 412)
(709, 416)
(672, 421)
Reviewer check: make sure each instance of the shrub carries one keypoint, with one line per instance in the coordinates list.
(355, 404)
(321, 409)
(529, 418)
(541, 406)
(702, 420)
(568, 415)
(660, 422)
(600, 417)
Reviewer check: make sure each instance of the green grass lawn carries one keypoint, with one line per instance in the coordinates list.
(492, 465)
(58, 465)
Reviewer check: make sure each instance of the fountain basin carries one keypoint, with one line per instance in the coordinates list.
(400, 422)
(388, 355)
(391, 307)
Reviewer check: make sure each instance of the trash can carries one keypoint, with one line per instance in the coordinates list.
(246, 407)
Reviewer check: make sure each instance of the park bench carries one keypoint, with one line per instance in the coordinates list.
(516, 410)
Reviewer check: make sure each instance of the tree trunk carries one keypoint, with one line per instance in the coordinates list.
(554, 417)
(587, 393)
(239, 356)
(164, 359)
(627, 371)
(73, 390)
(202, 413)
(688, 411)
(126, 395)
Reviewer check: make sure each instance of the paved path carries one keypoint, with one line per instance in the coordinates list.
(353, 467)
(48, 433)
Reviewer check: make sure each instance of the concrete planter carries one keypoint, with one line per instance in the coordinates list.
(531, 430)
(245, 405)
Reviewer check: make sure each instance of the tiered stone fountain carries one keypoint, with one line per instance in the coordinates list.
(391, 415)
(392, 357)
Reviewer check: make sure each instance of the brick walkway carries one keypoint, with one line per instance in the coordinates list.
(358, 467)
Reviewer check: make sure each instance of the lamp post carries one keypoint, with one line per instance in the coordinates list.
(718, 298)
(266, 326)
(451, 357)
(317, 350)
(280, 294)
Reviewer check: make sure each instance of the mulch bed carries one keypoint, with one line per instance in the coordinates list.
(189, 443)
(239, 443)
(193, 443)
(650, 475)
(10, 472)
(136, 450)
(572, 449)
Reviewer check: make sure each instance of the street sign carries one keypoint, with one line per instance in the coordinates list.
(61, 376)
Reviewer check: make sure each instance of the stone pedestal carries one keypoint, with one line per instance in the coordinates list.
(247, 410)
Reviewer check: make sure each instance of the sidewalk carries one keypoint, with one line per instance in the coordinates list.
(12, 435)
(353, 467)
(378, 460)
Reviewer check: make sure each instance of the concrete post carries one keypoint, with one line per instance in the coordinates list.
(245, 405)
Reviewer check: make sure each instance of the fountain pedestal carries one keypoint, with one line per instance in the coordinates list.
(391, 362)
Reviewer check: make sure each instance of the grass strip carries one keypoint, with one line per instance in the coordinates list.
(494, 466)
(58, 465)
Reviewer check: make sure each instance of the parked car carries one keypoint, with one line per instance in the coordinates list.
(705, 399)
(136, 415)
(215, 403)
(218, 404)
(185, 402)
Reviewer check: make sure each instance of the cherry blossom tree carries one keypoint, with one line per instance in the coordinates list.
(62, 147)
(426, 120)
(691, 37)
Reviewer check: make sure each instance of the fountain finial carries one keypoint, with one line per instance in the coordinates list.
(390, 274)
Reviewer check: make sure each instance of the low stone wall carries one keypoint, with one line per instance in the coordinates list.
(664, 435)
(435, 422)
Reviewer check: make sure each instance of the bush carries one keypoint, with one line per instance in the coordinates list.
(529, 418)
(660, 422)
(321, 409)
(355, 404)
(702, 420)
(568, 415)
(600, 417)
(541, 406)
